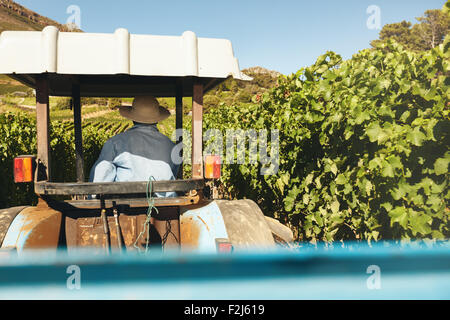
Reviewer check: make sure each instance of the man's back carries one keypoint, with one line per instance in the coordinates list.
(136, 155)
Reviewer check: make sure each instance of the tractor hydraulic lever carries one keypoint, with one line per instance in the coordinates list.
(118, 230)
(105, 225)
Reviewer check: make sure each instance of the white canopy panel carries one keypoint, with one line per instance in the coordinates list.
(51, 51)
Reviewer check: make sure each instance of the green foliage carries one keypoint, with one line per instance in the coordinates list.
(400, 32)
(18, 137)
(63, 104)
(91, 101)
(236, 91)
(9, 86)
(210, 101)
(446, 7)
(363, 146)
(433, 26)
(114, 103)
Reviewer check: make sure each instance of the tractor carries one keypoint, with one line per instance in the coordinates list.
(120, 216)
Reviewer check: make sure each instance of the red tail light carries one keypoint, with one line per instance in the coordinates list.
(212, 167)
(24, 169)
(224, 246)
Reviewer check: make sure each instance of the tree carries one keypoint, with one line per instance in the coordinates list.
(434, 26)
(431, 30)
(400, 32)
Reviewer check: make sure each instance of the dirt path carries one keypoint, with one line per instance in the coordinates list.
(95, 114)
(20, 105)
(85, 116)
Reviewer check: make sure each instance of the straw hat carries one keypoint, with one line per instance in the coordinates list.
(145, 109)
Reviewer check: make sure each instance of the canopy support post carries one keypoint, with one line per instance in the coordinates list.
(43, 172)
(197, 134)
(179, 120)
(76, 102)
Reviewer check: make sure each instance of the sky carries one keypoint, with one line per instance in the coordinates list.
(282, 35)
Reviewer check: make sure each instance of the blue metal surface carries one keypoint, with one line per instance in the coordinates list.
(15, 237)
(306, 273)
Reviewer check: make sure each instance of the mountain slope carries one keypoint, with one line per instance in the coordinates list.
(237, 91)
(13, 16)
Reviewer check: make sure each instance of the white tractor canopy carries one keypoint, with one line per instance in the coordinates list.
(118, 64)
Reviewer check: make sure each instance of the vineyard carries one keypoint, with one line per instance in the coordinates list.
(18, 136)
(364, 146)
(364, 149)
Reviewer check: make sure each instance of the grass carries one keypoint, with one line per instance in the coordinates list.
(169, 103)
(167, 126)
(8, 88)
(29, 101)
(8, 85)
(112, 116)
(67, 114)
(14, 109)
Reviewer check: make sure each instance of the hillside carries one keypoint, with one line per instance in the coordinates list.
(237, 91)
(13, 16)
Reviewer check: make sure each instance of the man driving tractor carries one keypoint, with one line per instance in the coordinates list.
(142, 152)
(161, 66)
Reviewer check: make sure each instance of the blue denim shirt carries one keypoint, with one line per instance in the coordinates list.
(136, 155)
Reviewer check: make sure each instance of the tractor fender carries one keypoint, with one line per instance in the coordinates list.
(200, 228)
(7, 216)
(280, 232)
(246, 225)
(34, 227)
(241, 222)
